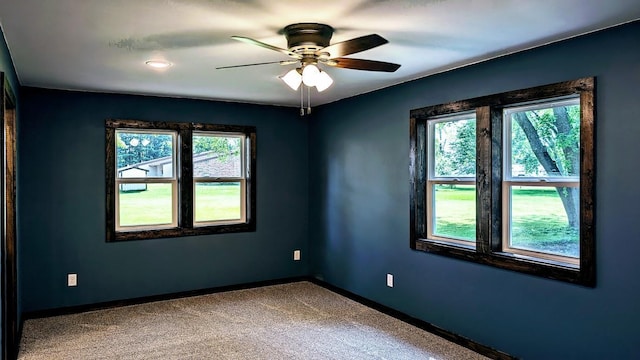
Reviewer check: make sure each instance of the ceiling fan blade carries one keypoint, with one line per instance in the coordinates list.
(284, 62)
(353, 46)
(360, 64)
(266, 46)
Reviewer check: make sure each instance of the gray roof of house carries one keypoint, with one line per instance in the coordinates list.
(203, 156)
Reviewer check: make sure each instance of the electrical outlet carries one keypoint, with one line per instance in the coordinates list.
(296, 255)
(389, 280)
(72, 280)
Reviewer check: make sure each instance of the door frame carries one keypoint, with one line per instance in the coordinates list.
(8, 253)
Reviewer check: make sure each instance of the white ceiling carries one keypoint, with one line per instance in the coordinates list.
(101, 45)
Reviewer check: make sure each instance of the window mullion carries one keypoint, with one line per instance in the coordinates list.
(484, 205)
(185, 178)
(497, 164)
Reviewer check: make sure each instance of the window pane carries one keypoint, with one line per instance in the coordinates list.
(218, 201)
(145, 204)
(217, 156)
(454, 211)
(454, 152)
(545, 219)
(545, 141)
(144, 154)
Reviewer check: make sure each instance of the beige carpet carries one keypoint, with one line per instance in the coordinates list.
(291, 321)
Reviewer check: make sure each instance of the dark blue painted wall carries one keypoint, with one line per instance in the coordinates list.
(359, 213)
(62, 203)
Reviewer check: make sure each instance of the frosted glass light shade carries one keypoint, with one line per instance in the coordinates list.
(324, 81)
(310, 75)
(293, 79)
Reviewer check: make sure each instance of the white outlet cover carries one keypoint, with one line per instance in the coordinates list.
(296, 255)
(72, 280)
(389, 280)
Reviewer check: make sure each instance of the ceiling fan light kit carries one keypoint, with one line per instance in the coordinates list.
(293, 78)
(309, 44)
(311, 77)
(324, 81)
(310, 74)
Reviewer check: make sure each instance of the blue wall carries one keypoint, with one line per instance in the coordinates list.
(359, 228)
(62, 203)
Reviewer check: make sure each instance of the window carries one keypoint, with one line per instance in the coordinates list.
(219, 178)
(507, 180)
(541, 180)
(146, 180)
(178, 179)
(451, 179)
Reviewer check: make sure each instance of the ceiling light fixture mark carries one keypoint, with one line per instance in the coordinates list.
(158, 64)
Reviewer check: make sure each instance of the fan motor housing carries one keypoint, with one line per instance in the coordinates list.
(307, 37)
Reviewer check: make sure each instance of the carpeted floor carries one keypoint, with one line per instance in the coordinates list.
(291, 321)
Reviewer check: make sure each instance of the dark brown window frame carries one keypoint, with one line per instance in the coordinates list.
(488, 248)
(185, 180)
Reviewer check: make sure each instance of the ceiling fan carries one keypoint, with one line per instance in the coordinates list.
(309, 45)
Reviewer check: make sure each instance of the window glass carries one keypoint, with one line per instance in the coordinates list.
(144, 154)
(145, 204)
(455, 211)
(451, 184)
(217, 156)
(539, 220)
(454, 152)
(218, 201)
(545, 140)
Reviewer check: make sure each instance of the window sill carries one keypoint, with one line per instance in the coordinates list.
(181, 232)
(524, 264)
(535, 260)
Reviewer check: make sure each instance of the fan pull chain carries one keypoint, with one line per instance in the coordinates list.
(301, 100)
(308, 101)
(302, 112)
